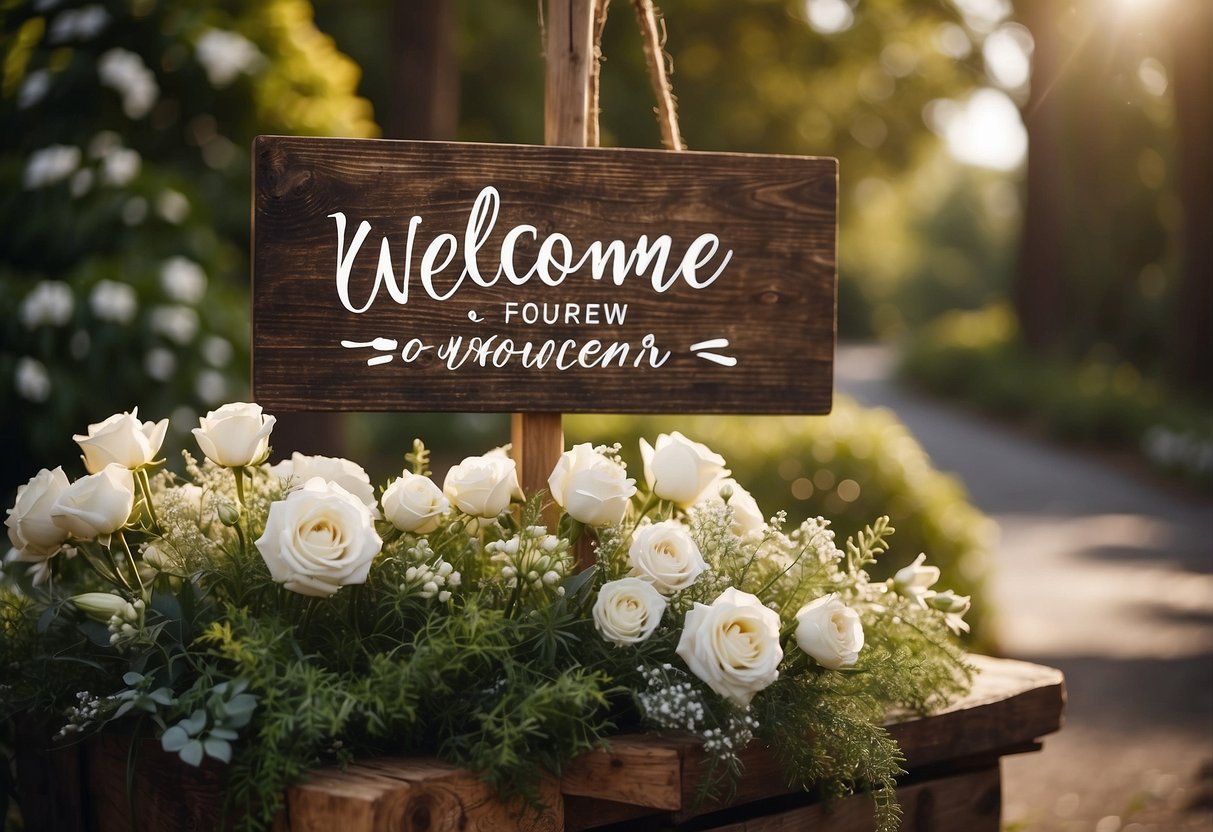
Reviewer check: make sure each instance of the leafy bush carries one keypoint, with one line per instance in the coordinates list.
(847, 467)
(978, 357)
(124, 192)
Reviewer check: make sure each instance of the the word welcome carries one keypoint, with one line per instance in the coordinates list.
(554, 261)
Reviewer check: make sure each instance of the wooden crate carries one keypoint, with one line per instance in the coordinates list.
(641, 782)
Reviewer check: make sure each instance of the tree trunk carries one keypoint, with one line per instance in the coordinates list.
(1037, 292)
(1192, 88)
(425, 87)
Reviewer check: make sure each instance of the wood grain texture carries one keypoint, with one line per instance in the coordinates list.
(633, 770)
(969, 802)
(410, 795)
(774, 302)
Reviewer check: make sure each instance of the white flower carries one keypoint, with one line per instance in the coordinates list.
(482, 486)
(31, 380)
(591, 487)
(50, 302)
(182, 279)
(210, 386)
(665, 555)
(680, 470)
(628, 610)
(349, 475)
(30, 527)
(120, 166)
(97, 505)
(413, 503)
(953, 607)
(121, 439)
(747, 517)
(830, 632)
(83, 23)
(113, 301)
(124, 71)
(224, 55)
(235, 435)
(34, 88)
(217, 351)
(914, 580)
(160, 363)
(174, 207)
(177, 323)
(319, 539)
(103, 606)
(732, 645)
(50, 165)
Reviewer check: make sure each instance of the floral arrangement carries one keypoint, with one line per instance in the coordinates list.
(278, 617)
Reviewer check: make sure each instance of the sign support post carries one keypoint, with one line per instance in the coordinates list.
(538, 438)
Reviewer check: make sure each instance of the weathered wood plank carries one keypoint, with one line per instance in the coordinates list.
(772, 302)
(641, 770)
(404, 795)
(969, 802)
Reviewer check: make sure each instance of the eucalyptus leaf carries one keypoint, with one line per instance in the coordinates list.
(192, 753)
(174, 739)
(194, 723)
(220, 749)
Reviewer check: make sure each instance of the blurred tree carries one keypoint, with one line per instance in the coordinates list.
(1115, 260)
(1191, 35)
(124, 194)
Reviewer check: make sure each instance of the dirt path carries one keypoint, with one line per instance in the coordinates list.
(1107, 576)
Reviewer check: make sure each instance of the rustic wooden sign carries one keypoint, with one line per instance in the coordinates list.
(433, 276)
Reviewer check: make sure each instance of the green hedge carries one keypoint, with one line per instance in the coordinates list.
(850, 467)
(978, 357)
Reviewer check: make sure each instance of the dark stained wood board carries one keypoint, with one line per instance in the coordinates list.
(773, 301)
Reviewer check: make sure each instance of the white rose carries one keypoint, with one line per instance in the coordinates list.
(830, 632)
(319, 539)
(732, 645)
(593, 488)
(628, 610)
(680, 470)
(235, 435)
(30, 526)
(96, 505)
(349, 475)
(123, 439)
(413, 503)
(665, 555)
(482, 486)
(914, 580)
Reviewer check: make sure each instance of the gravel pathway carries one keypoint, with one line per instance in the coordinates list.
(1108, 576)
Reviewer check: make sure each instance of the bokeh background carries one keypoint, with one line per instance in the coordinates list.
(1026, 215)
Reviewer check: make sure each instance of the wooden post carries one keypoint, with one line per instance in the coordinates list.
(538, 438)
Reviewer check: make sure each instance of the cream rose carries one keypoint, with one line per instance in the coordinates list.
(680, 470)
(319, 539)
(96, 505)
(413, 503)
(30, 526)
(349, 475)
(628, 610)
(235, 435)
(732, 645)
(123, 439)
(481, 486)
(593, 488)
(830, 632)
(665, 555)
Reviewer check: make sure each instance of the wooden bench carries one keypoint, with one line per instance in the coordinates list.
(953, 782)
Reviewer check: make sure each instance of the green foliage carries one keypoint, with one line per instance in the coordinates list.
(978, 357)
(125, 130)
(479, 642)
(850, 466)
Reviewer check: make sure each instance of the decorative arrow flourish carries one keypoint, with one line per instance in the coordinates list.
(715, 358)
(387, 345)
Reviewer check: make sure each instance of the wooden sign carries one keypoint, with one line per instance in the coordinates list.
(432, 276)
